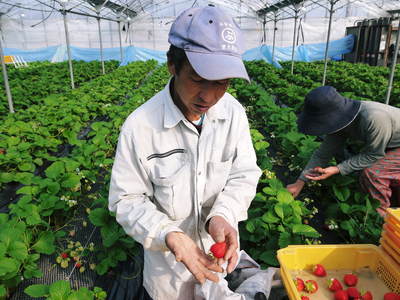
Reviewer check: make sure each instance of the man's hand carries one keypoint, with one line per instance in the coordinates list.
(221, 231)
(322, 173)
(295, 188)
(195, 260)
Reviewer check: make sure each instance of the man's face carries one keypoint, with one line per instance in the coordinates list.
(193, 94)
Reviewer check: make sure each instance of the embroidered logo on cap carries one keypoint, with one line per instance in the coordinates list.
(229, 35)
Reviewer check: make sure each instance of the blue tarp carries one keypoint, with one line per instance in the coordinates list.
(308, 52)
(59, 53)
(41, 54)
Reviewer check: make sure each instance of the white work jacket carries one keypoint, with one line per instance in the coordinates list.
(168, 177)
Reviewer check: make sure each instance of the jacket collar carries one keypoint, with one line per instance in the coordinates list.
(173, 115)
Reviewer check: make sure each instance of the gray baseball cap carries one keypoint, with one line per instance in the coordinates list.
(212, 42)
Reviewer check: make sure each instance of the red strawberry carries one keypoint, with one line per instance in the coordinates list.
(350, 279)
(367, 296)
(319, 270)
(353, 293)
(218, 249)
(311, 286)
(391, 296)
(341, 295)
(334, 285)
(78, 265)
(64, 255)
(304, 298)
(299, 283)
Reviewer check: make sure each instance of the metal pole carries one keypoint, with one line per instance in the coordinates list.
(120, 40)
(71, 70)
(273, 42)
(394, 61)
(264, 33)
(327, 42)
(294, 38)
(101, 46)
(5, 76)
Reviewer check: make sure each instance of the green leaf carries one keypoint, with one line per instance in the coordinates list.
(71, 181)
(34, 215)
(269, 218)
(269, 191)
(3, 218)
(3, 291)
(60, 290)
(3, 249)
(250, 226)
(278, 208)
(305, 230)
(269, 257)
(45, 243)
(284, 239)
(6, 177)
(82, 294)
(18, 250)
(284, 196)
(344, 207)
(37, 290)
(8, 265)
(26, 167)
(110, 234)
(99, 217)
(55, 170)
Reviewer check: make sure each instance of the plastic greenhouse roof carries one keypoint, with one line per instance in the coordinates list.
(126, 10)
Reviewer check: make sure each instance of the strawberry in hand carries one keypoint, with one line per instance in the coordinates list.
(334, 285)
(311, 286)
(319, 270)
(350, 279)
(218, 250)
(304, 298)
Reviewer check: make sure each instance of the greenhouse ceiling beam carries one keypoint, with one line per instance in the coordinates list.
(114, 7)
(277, 6)
(86, 15)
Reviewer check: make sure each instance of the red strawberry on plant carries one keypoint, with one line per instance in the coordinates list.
(218, 249)
(311, 286)
(304, 298)
(78, 265)
(341, 295)
(391, 296)
(64, 255)
(299, 283)
(353, 293)
(350, 279)
(319, 270)
(334, 285)
(367, 296)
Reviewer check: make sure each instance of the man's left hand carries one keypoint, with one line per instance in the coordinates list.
(323, 173)
(221, 231)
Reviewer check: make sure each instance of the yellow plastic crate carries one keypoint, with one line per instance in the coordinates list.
(338, 257)
(393, 218)
(390, 247)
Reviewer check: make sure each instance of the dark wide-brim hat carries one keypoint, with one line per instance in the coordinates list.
(326, 111)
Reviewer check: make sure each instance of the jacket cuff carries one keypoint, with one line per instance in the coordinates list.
(343, 169)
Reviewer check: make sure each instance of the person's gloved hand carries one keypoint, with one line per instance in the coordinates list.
(195, 260)
(295, 188)
(221, 231)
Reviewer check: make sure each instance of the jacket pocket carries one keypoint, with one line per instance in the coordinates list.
(172, 190)
(217, 177)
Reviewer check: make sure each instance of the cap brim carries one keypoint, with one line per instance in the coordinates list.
(217, 66)
(327, 124)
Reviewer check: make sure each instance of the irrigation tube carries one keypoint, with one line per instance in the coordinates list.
(396, 51)
(120, 40)
(101, 45)
(71, 71)
(327, 42)
(5, 76)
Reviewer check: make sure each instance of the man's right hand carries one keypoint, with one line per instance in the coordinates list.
(195, 260)
(295, 188)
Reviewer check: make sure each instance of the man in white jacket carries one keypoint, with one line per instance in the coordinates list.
(185, 169)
